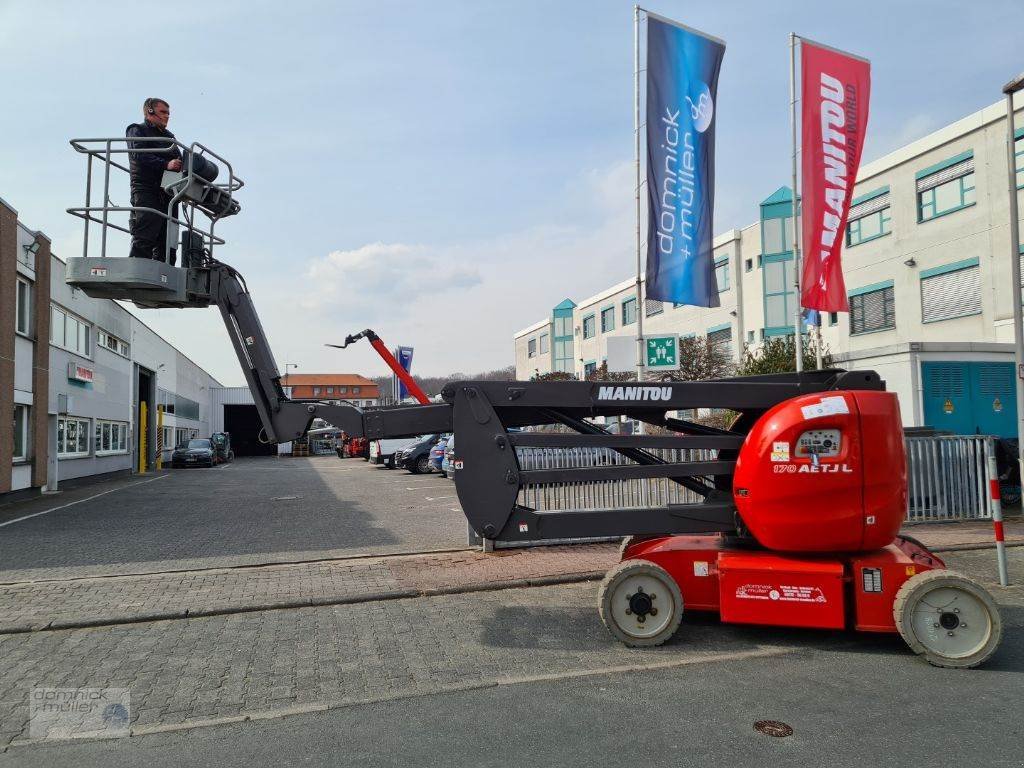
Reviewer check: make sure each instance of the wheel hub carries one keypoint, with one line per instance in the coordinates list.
(949, 620)
(641, 605)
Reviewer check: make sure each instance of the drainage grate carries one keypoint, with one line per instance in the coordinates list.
(773, 728)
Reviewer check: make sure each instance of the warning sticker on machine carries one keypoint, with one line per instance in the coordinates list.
(782, 593)
(700, 568)
(780, 451)
(829, 406)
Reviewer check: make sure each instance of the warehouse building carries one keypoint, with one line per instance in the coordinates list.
(926, 261)
(84, 378)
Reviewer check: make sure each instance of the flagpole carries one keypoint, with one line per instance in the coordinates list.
(817, 351)
(797, 318)
(636, 140)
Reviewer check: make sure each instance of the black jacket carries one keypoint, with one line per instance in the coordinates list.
(148, 167)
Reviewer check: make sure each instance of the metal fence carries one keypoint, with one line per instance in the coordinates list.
(947, 477)
(946, 480)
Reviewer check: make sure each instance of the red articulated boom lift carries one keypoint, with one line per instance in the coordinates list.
(790, 517)
(396, 367)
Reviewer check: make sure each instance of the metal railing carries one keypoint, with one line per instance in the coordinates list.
(947, 477)
(102, 151)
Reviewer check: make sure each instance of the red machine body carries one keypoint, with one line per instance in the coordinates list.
(820, 483)
(824, 473)
(751, 586)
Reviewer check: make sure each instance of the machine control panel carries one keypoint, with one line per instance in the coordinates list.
(818, 442)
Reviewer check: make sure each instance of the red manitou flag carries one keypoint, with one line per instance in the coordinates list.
(836, 90)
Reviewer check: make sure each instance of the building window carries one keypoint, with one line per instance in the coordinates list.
(112, 343)
(946, 190)
(750, 337)
(531, 348)
(748, 265)
(112, 437)
(1018, 152)
(653, 307)
(952, 291)
(20, 433)
(779, 294)
(607, 319)
(316, 391)
(721, 338)
(589, 369)
(72, 437)
(70, 332)
(544, 343)
(833, 318)
(589, 327)
(23, 312)
(355, 390)
(168, 438)
(873, 310)
(722, 275)
(869, 219)
(629, 311)
(777, 235)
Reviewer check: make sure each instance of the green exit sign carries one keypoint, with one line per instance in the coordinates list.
(662, 352)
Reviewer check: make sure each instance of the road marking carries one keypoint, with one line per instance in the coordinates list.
(88, 498)
(438, 498)
(429, 488)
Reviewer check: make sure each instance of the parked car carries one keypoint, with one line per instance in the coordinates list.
(416, 457)
(197, 452)
(437, 453)
(448, 464)
(383, 451)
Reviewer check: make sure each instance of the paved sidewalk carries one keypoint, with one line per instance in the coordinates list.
(63, 604)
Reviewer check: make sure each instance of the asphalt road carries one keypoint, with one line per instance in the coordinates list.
(252, 511)
(851, 699)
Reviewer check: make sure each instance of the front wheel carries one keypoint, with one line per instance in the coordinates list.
(949, 619)
(423, 466)
(640, 603)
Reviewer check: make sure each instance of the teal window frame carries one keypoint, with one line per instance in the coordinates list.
(926, 199)
(590, 320)
(1018, 154)
(589, 367)
(957, 266)
(629, 311)
(608, 318)
(722, 274)
(853, 228)
(788, 292)
(562, 342)
(787, 235)
(833, 318)
(856, 299)
(658, 306)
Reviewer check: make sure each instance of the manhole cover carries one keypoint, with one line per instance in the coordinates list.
(773, 728)
(285, 498)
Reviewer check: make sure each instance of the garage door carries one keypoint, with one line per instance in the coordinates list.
(242, 422)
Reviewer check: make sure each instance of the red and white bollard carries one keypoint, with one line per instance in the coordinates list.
(997, 518)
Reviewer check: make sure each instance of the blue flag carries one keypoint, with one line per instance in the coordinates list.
(682, 85)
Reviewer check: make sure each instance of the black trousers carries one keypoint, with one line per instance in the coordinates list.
(149, 230)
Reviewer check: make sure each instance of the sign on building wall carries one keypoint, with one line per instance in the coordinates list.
(78, 372)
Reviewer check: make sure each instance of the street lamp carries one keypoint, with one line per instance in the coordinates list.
(286, 367)
(1010, 89)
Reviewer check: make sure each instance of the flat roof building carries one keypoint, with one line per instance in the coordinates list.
(926, 260)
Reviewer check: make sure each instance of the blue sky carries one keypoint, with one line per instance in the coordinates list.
(443, 172)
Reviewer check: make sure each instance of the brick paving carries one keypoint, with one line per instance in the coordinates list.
(89, 601)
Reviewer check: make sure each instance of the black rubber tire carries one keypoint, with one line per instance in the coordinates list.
(422, 466)
(918, 587)
(614, 580)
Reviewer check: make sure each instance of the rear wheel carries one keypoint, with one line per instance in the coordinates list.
(948, 618)
(640, 603)
(422, 466)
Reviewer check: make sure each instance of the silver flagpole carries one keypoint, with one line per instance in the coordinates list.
(797, 318)
(636, 138)
(817, 351)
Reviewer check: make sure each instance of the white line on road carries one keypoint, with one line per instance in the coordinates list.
(429, 488)
(438, 498)
(88, 498)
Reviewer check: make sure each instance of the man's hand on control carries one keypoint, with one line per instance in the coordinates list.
(174, 165)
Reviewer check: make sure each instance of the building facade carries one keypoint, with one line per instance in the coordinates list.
(85, 379)
(926, 260)
(334, 387)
